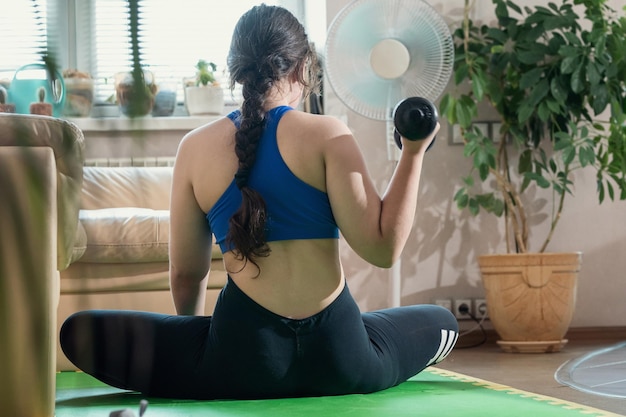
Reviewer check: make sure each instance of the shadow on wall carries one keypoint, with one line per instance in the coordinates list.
(442, 252)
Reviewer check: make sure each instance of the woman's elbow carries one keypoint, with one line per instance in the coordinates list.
(181, 276)
(383, 257)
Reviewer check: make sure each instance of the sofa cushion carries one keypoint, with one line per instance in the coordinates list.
(123, 235)
(80, 243)
(120, 187)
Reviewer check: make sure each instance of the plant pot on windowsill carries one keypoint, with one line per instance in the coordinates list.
(203, 93)
(79, 90)
(135, 101)
(204, 99)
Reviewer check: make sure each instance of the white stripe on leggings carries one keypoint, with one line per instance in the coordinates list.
(448, 339)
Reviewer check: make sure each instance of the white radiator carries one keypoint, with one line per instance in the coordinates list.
(156, 161)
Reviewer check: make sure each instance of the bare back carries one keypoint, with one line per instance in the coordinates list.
(300, 277)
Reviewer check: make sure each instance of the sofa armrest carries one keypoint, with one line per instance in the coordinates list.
(67, 143)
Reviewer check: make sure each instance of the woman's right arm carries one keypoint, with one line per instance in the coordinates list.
(190, 239)
(376, 227)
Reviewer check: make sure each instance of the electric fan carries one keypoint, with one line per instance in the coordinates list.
(380, 52)
(383, 56)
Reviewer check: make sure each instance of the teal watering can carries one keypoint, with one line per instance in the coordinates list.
(26, 84)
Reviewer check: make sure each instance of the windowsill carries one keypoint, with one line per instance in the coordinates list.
(108, 119)
(126, 124)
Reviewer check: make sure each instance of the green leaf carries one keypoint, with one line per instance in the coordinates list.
(514, 6)
(558, 88)
(600, 191)
(478, 86)
(569, 154)
(524, 113)
(461, 198)
(502, 12)
(465, 111)
(586, 156)
(473, 206)
(483, 172)
(593, 73)
(539, 91)
(525, 184)
(544, 111)
(611, 191)
(497, 207)
(553, 106)
(461, 74)
(553, 166)
(569, 64)
(578, 81)
(530, 57)
(525, 162)
(541, 181)
(531, 78)
(497, 35)
(446, 102)
(600, 98)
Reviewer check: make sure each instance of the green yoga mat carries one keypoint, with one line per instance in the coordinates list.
(432, 393)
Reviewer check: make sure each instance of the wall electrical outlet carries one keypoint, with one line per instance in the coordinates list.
(462, 308)
(480, 308)
(446, 303)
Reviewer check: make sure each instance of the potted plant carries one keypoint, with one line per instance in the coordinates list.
(135, 92)
(548, 74)
(203, 93)
(79, 90)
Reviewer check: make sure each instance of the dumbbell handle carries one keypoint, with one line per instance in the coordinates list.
(415, 118)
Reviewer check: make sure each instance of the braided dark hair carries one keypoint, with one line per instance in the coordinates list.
(268, 44)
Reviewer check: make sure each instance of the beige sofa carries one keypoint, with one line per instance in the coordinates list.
(122, 246)
(41, 165)
(72, 238)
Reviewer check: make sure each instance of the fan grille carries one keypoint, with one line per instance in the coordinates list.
(360, 26)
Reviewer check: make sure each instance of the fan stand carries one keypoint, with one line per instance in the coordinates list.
(390, 59)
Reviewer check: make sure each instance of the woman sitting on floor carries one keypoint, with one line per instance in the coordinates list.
(275, 186)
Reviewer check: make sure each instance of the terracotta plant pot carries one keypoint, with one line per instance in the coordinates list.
(531, 298)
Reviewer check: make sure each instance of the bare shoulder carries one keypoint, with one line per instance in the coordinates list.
(215, 135)
(321, 127)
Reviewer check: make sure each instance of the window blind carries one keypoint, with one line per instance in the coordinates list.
(93, 36)
(174, 36)
(28, 19)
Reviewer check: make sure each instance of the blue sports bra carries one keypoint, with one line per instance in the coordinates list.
(295, 209)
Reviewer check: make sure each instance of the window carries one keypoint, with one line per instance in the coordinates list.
(93, 36)
(28, 19)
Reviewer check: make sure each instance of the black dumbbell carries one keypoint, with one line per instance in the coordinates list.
(414, 118)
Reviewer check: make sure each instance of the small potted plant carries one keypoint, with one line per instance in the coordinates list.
(557, 83)
(203, 93)
(79, 89)
(134, 92)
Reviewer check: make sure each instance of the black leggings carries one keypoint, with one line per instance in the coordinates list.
(245, 351)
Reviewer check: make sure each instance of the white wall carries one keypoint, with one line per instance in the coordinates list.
(440, 258)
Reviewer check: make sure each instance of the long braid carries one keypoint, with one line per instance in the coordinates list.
(247, 226)
(268, 45)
